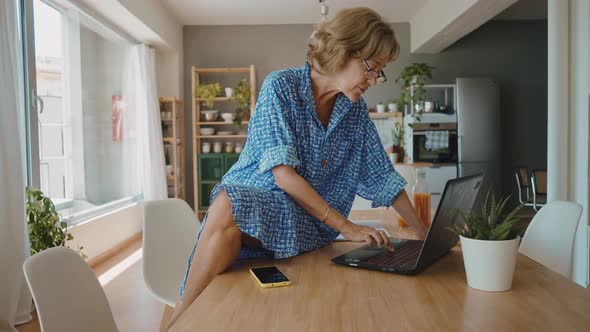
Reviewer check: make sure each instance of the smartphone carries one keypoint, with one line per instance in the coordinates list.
(269, 276)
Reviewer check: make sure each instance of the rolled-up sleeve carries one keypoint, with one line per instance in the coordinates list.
(270, 128)
(379, 182)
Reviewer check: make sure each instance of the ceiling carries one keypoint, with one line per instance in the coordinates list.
(246, 12)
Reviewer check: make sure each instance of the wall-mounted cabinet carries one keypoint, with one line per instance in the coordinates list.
(212, 167)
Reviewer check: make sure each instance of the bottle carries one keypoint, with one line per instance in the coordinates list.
(422, 197)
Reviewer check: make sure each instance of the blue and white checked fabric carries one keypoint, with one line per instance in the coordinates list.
(345, 159)
(437, 140)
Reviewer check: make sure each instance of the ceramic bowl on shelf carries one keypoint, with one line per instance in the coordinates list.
(225, 132)
(210, 115)
(207, 131)
(227, 117)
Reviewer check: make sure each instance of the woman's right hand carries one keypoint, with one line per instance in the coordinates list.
(370, 236)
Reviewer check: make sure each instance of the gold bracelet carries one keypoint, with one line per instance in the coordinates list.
(325, 218)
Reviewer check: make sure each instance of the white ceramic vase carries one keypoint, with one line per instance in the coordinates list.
(380, 108)
(392, 107)
(489, 265)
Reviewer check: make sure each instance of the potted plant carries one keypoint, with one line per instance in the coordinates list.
(242, 98)
(46, 229)
(489, 242)
(399, 141)
(208, 92)
(380, 107)
(414, 76)
(392, 105)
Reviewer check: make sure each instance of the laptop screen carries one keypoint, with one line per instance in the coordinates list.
(459, 194)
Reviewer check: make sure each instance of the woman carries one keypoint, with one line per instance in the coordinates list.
(311, 147)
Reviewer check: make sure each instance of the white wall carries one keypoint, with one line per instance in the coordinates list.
(169, 61)
(146, 21)
(102, 233)
(568, 122)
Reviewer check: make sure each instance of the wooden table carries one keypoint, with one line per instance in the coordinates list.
(329, 297)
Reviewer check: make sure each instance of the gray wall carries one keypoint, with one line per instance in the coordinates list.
(513, 52)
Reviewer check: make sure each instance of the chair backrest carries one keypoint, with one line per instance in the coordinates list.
(67, 293)
(539, 181)
(522, 182)
(170, 230)
(549, 239)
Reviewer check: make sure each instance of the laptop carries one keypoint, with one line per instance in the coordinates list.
(413, 256)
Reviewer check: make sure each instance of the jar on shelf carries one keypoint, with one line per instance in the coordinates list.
(217, 147)
(205, 147)
(239, 147)
(229, 147)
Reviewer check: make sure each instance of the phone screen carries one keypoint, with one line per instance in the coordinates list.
(269, 275)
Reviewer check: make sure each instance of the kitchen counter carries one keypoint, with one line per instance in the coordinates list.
(415, 165)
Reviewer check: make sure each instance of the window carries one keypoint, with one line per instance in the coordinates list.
(80, 71)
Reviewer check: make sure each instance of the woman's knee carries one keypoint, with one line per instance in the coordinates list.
(220, 212)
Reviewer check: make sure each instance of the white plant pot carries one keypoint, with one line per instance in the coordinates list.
(380, 108)
(489, 265)
(392, 107)
(229, 92)
(169, 169)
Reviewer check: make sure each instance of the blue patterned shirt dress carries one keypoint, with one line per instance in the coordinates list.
(345, 159)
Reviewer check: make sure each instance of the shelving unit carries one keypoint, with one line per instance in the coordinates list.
(173, 132)
(209, 168)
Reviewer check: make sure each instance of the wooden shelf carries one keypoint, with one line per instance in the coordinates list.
(216, 99)
(173, 145)
(385, 115)
(222, 136)
(218, 123)
(222, 70)
(171, 100)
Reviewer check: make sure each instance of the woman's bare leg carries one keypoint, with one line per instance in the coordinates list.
(218, 247)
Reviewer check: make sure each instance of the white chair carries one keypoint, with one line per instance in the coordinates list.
(170, 230)
(67, 293)
(549, 239)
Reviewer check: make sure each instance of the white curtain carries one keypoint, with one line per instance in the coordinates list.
(143, 149)
(15, 300)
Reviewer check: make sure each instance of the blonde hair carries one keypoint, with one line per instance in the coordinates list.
(336, 40)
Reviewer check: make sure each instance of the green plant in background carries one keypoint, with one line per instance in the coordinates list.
(399, 140)
(46, 229)
(208, 92)
(493, 224)
(242, 97)
(414, 75)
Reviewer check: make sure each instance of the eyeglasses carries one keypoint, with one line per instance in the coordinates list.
(379, 76)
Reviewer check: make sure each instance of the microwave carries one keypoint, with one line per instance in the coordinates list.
(438, 155)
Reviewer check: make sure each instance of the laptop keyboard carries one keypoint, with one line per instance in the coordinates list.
(399, 257)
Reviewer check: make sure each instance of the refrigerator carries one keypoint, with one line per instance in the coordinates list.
(478, 128)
